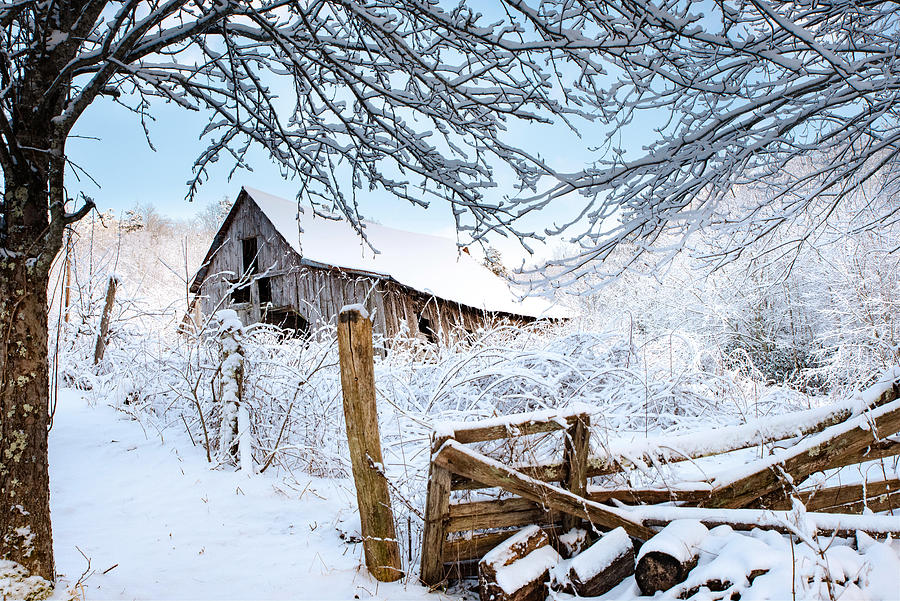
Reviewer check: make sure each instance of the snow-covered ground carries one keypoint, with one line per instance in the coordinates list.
(157, 523)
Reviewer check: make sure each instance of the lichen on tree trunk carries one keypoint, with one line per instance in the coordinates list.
(25, 533)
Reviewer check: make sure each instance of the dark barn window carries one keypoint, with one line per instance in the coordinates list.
(425, 328)
(249, 250)
(265, 290)
(287, 319)
(240, 294)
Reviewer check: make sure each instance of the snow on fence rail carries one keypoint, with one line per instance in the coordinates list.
(458, 532)
(621, 455)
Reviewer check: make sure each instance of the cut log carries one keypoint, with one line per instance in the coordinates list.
(518, 569)
(472, 464)
(573, 542)
(667, 558)
(599, 568)
(458, 550)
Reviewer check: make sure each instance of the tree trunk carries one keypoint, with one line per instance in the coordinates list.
(25, 534)
(34, 217)
(29, 242)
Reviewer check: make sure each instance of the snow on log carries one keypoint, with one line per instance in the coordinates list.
(358, 307)
(599, 568)
(573, 542)
(666, 559)
(518, 569)
(508, 426)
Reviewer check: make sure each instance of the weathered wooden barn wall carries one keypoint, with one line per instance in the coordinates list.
(318, 292)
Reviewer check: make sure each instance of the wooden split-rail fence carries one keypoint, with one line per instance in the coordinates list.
(557, 496)
(457, 534)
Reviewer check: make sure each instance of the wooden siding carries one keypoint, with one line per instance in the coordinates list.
(319, 292)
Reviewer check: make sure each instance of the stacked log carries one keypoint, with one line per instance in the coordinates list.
(599, 568)
(573, 542)
(518, 569)
(667, 558)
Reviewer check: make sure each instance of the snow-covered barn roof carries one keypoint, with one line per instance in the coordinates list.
(429, 264)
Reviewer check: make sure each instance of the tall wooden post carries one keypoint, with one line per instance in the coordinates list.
(68, 275)
(100, 347)
(358, 383)
(576, 451)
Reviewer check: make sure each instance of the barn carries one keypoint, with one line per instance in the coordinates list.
(270, 270)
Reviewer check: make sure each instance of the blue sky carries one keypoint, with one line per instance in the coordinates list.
(108, 143)
(112, 149)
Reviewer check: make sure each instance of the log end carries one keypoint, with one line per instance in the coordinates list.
(658, 571)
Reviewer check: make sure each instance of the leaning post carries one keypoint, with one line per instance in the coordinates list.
(361, 416)
(100, 347)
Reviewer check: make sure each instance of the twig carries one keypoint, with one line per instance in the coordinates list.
(278, 439)
(110, 569)
(85, 574)
(188, 430)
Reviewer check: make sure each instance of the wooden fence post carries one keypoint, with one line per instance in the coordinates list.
(100, 347)
(437, 512)
(575, 458)
(361, 416)
(68, 273)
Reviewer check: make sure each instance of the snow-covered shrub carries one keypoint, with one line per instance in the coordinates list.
(291, 393)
